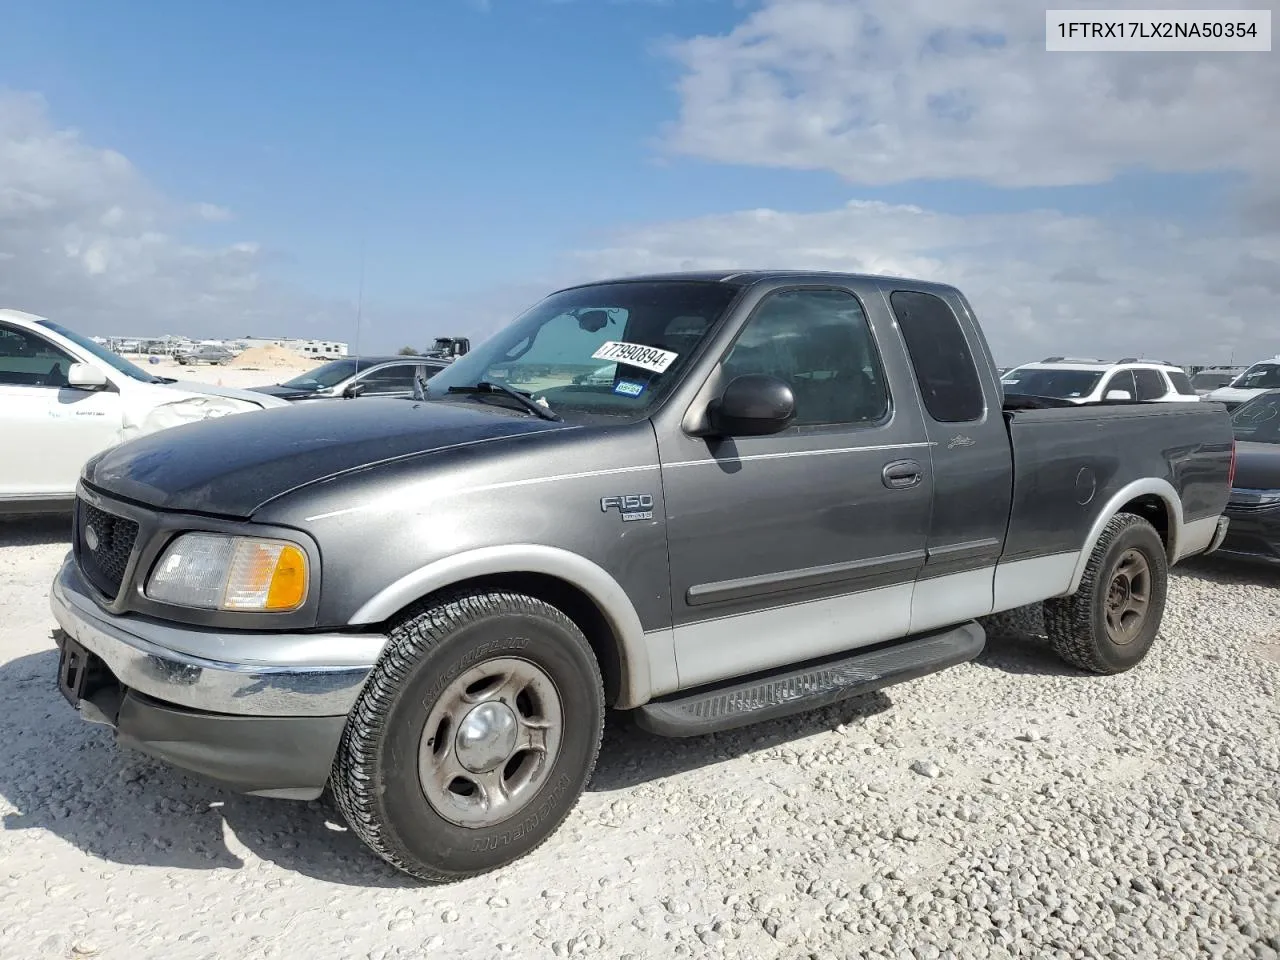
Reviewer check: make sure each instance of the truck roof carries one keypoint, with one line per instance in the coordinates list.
(747, 277)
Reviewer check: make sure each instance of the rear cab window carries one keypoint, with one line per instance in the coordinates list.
(940, 356)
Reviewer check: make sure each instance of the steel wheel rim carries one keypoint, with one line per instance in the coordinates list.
(490, 741)
(1128, 597)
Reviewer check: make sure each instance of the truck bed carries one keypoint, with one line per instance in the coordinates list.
(1071, 462)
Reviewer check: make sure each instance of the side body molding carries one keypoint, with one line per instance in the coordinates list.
(1148, 486)
(647, 660)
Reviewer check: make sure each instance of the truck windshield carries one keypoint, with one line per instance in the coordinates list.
(1051, 382)
(1261, 376)
(99, 352)
(610, 348)
(1258, 421)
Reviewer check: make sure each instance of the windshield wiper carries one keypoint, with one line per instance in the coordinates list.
(526, 400)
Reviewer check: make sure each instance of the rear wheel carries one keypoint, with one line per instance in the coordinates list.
(1110, 623)
(474, 736)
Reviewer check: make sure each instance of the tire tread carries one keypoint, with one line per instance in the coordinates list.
(355, 776)
(1068, 621)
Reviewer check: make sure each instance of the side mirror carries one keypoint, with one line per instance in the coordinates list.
(85, 376)
(1118, 395)
(753, 405)
(353, 390)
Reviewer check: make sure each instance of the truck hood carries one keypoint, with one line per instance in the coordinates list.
(231, 466)
(1257, 466)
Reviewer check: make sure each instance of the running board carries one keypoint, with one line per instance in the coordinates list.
(743, 701)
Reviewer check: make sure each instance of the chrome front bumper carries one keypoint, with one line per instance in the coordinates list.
(218, 671)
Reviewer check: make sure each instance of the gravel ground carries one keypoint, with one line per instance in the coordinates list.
(1007, 808)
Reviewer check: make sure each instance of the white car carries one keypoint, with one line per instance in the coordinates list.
(64, 398)
(1092, 381)
(1258, 379)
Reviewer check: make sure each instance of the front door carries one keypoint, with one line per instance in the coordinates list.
(49, 428)
(803, 543)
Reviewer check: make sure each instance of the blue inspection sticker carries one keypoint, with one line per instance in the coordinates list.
(629, 388)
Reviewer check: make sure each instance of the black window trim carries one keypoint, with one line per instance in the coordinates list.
(815, 429)
(54, 346)
(964, 328)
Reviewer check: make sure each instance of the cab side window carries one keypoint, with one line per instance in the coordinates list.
(27, 360)
(819, 343)
(395, 380)
(1121, 381)
(940, 356)
(1150, 384)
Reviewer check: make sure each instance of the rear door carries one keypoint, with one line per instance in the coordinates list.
(806, 542)
(972, 463)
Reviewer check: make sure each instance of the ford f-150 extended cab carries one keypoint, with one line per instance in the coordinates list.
(793, 488)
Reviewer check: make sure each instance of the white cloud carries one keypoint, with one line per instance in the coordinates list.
(85, 239)
(1041, 282)
(212, 212)
(884, 91)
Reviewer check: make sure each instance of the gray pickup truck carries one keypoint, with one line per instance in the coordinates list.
(715, 498)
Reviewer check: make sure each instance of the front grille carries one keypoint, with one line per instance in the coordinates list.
(103, 543)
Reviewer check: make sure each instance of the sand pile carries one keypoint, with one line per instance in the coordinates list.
(271, 356)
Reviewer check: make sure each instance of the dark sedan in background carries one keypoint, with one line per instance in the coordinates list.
(353, 377)
(1254, 507)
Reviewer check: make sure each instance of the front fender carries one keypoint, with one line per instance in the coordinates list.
(647, 660)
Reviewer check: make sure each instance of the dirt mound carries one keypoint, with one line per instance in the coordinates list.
(271, 356)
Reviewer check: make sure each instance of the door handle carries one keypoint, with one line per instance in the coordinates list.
(901, 474)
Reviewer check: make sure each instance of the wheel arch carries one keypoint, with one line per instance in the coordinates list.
(1151, 498)
(584, 591)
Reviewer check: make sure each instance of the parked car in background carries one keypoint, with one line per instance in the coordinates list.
(205, 353)
(1259, 378)
(448, 348)
(1254, 507)
(353, 377)
(1092, 381)
(795, 488)
(64, 398)
(1209, 379)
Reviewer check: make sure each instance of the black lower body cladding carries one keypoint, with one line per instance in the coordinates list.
(474, 736)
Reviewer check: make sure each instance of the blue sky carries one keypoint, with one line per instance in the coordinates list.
(473, 148)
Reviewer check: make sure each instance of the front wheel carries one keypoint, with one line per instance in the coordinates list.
(1110, 623)
(474, 736)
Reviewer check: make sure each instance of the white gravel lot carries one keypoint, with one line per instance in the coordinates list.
(1011, 807)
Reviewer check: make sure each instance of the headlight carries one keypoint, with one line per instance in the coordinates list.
(218, 572)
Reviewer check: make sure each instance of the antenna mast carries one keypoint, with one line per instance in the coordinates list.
(360, 297)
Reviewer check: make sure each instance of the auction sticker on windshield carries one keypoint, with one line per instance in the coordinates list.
(636, 355)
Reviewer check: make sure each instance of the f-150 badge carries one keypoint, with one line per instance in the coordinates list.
(632, 506)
